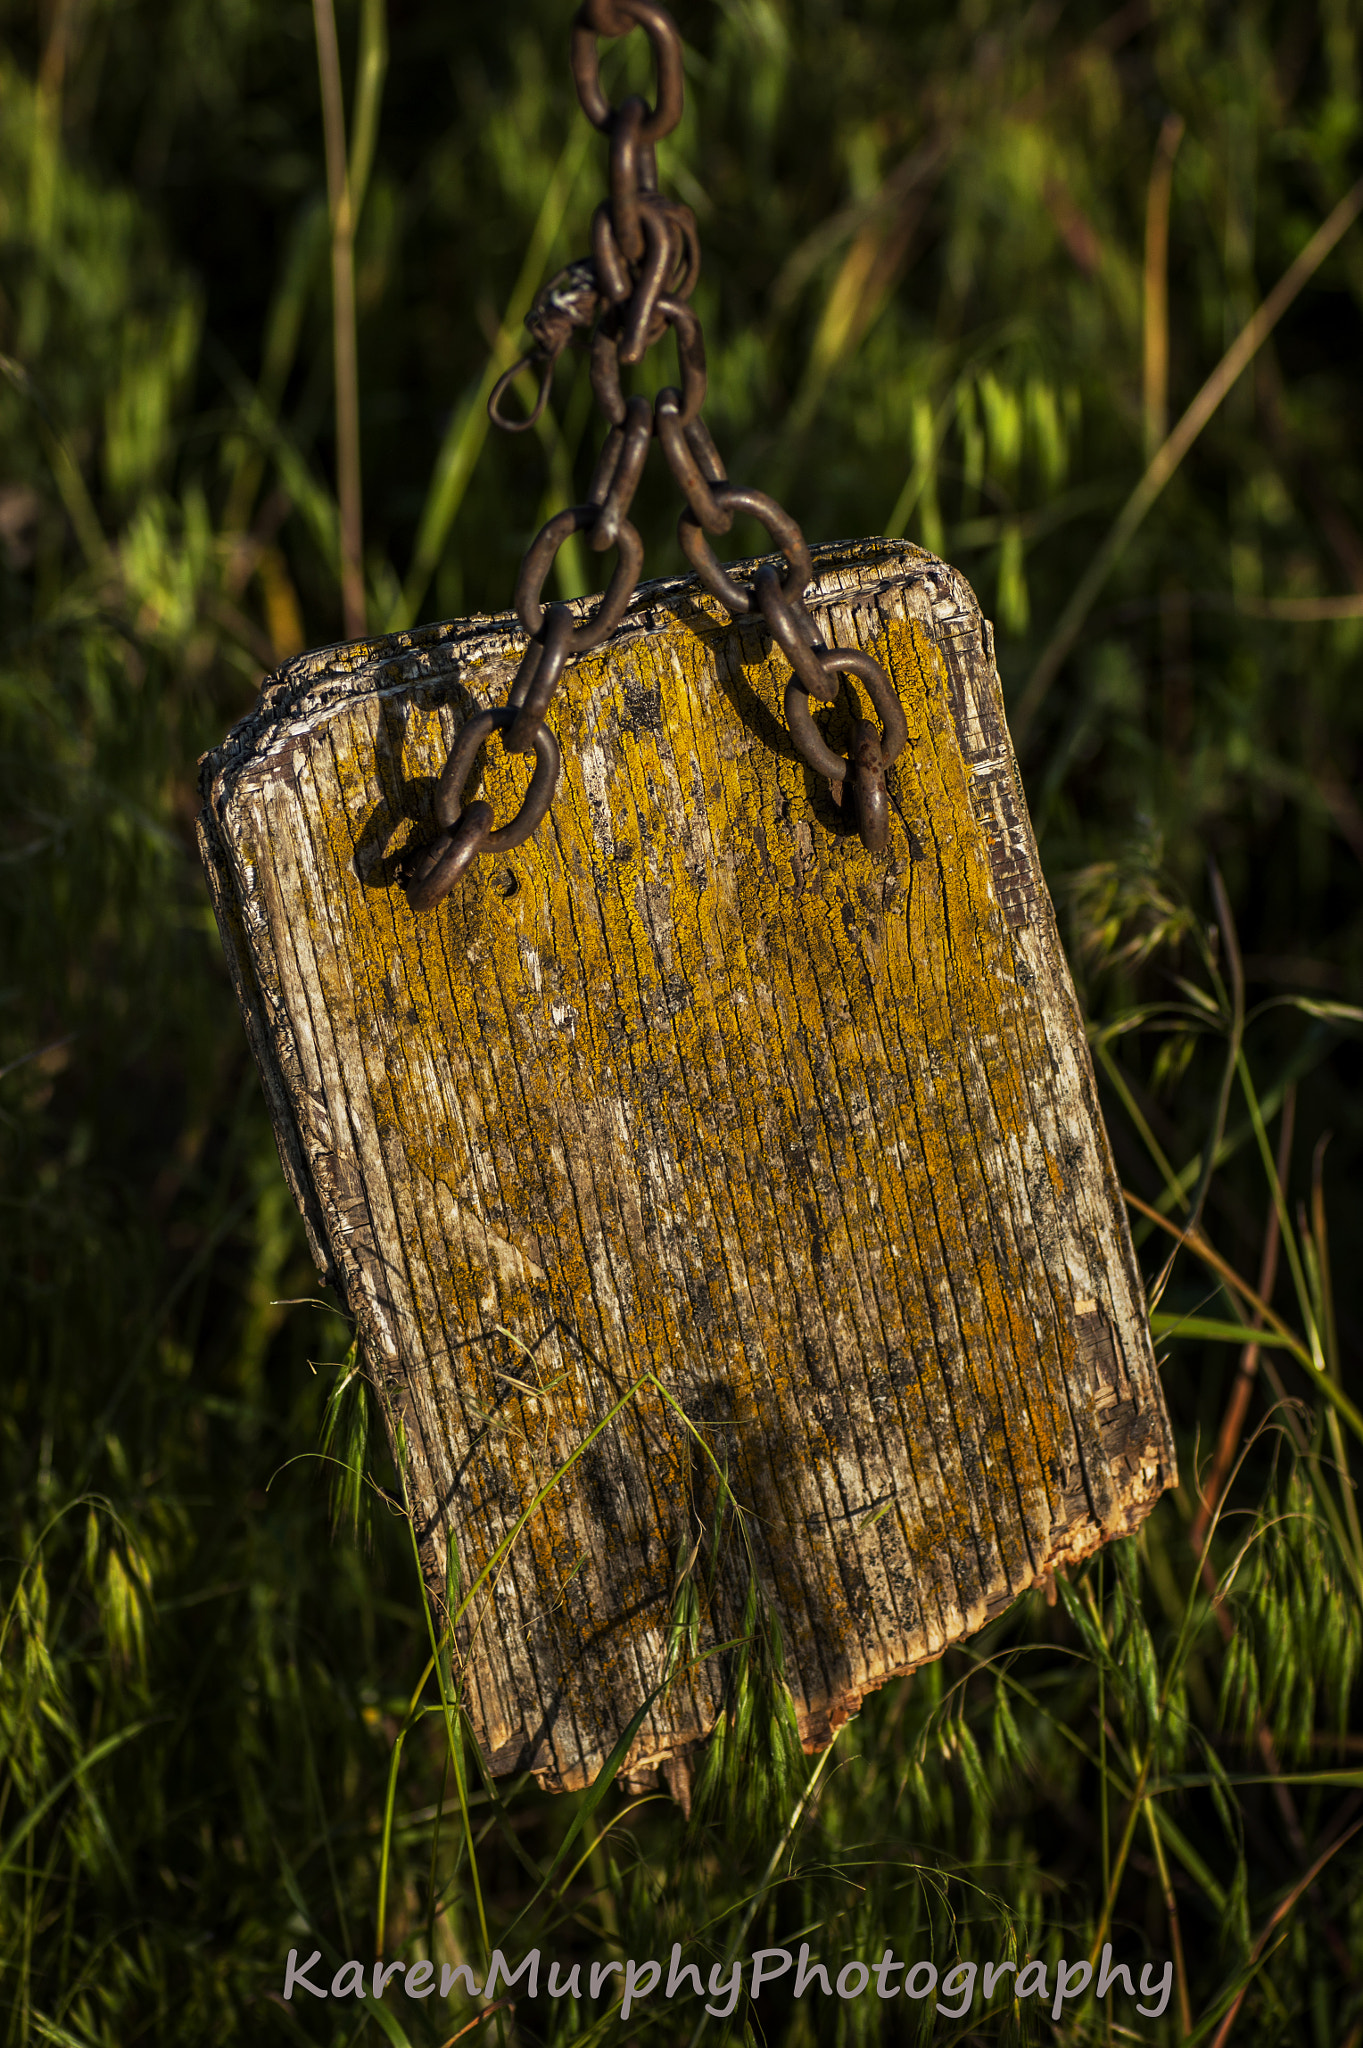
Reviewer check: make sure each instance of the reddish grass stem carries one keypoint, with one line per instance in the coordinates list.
(344, 344)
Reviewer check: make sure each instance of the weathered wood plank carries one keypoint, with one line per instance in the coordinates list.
(695, 1085)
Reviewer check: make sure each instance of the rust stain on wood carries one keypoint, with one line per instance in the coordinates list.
(693, 1095)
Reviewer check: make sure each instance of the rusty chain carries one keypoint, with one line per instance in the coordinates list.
(635, 285)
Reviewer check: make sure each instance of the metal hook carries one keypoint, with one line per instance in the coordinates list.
(508, 377)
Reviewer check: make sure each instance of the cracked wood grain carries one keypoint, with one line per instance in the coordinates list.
(692, 1094)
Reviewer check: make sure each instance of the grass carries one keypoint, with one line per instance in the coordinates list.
(963, 268)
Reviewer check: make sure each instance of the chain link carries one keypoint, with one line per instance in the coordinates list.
(636, 284)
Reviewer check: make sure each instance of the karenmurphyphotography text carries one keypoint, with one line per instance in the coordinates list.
(953, 1990)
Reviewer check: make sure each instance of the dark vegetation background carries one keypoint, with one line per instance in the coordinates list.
(933, 297)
